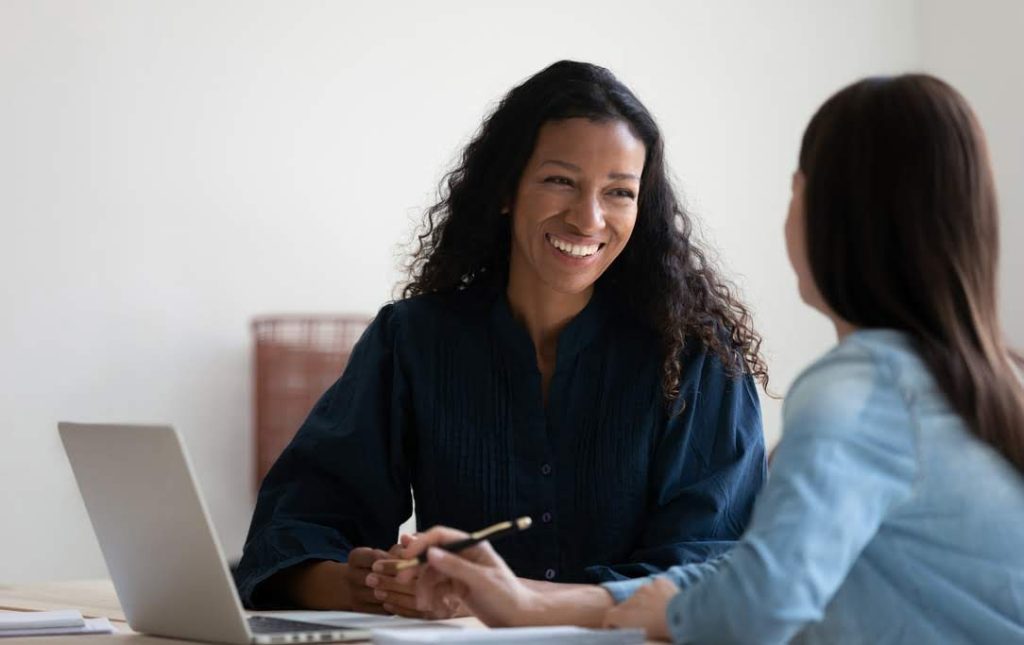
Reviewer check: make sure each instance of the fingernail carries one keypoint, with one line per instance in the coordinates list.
(380, 595)
(378, 566)
(372, 580)
(435, 553)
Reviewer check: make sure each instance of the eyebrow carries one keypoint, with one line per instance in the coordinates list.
(573, 167)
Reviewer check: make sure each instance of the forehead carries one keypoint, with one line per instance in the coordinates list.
(604, 145)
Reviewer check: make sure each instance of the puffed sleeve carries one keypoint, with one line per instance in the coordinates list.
(708, 467)
(343, 481)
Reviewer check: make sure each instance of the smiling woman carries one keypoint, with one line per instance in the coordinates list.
(575, 209)
(562, 350)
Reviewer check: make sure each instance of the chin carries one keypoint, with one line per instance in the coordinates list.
(570, 287)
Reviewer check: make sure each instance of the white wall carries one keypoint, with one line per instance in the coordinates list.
(977, 47)
(169, 169)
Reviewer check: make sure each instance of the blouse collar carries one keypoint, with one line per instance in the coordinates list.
(582, 330)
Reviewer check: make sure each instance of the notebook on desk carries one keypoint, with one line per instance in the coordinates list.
(158, 543)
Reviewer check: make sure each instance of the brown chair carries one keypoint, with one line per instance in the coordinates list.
(296, 358)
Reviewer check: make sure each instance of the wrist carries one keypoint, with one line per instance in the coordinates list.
(319, 585)
(583, 605)
(534, 607)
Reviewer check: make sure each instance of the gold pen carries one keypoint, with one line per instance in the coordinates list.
(495, 531)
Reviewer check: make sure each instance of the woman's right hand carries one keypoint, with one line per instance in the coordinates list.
(359, 566)
(328, 585)
(476, 576)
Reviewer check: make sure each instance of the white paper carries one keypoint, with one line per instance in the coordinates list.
(90, 626)
(510, 636)
(40, 619)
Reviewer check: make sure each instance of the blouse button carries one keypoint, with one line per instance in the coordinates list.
(546, 517)
(545, 469)
(550, 574)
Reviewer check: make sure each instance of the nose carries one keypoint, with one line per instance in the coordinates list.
(586, 214)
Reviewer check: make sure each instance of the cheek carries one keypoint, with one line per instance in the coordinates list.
(533, 208)
(787, 232)
(794, 235)
(623, 225)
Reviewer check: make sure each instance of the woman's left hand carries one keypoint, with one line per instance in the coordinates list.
(399, 597)
(646, 608)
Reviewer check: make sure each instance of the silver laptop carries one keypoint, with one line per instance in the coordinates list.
(156, 538)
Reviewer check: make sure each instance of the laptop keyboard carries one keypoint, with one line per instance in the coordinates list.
(268, 625)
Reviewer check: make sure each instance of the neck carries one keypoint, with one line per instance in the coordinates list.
(843, 328)
(545, 313)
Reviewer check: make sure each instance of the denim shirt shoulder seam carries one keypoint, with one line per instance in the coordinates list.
(889, 374)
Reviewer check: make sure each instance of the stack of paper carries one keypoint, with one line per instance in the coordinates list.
(511, 636)
(42, 623)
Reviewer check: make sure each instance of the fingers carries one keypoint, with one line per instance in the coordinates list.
(389, 567)
(399, 610)
(453, 566)
(429, 587)
(483, 553)
(359, 561)
(385, 582)
(363, 557)
(446, 600)
(402, 604)
(363, 600)
(435, 536)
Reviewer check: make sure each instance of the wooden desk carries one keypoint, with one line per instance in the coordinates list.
(94, 598)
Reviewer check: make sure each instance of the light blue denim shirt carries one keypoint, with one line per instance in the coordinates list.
(884, 520)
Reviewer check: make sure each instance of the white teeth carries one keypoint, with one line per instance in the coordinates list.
(575, 250)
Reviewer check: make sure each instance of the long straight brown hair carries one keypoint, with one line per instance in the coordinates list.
(903, 232)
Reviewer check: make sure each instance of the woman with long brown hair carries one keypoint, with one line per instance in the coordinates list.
(895, 508)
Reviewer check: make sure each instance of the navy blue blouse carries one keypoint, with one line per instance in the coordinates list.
(442, 399)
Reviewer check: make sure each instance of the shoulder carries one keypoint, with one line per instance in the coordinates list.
(709, 385)
(857, 378)
(704, 370)
(848, 413)
(433, 315)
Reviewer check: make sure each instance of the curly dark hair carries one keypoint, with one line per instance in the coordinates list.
(465, 239)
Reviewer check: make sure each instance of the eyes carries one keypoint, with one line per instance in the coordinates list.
(616, 193)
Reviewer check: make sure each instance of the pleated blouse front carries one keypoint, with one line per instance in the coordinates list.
(442, 400)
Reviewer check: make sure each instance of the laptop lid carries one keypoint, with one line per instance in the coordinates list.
(154, 531)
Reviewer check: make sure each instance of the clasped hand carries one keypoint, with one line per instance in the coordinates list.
(374, 569)
(479, 581)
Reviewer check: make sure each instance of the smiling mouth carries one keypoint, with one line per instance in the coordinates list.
(573, 250)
